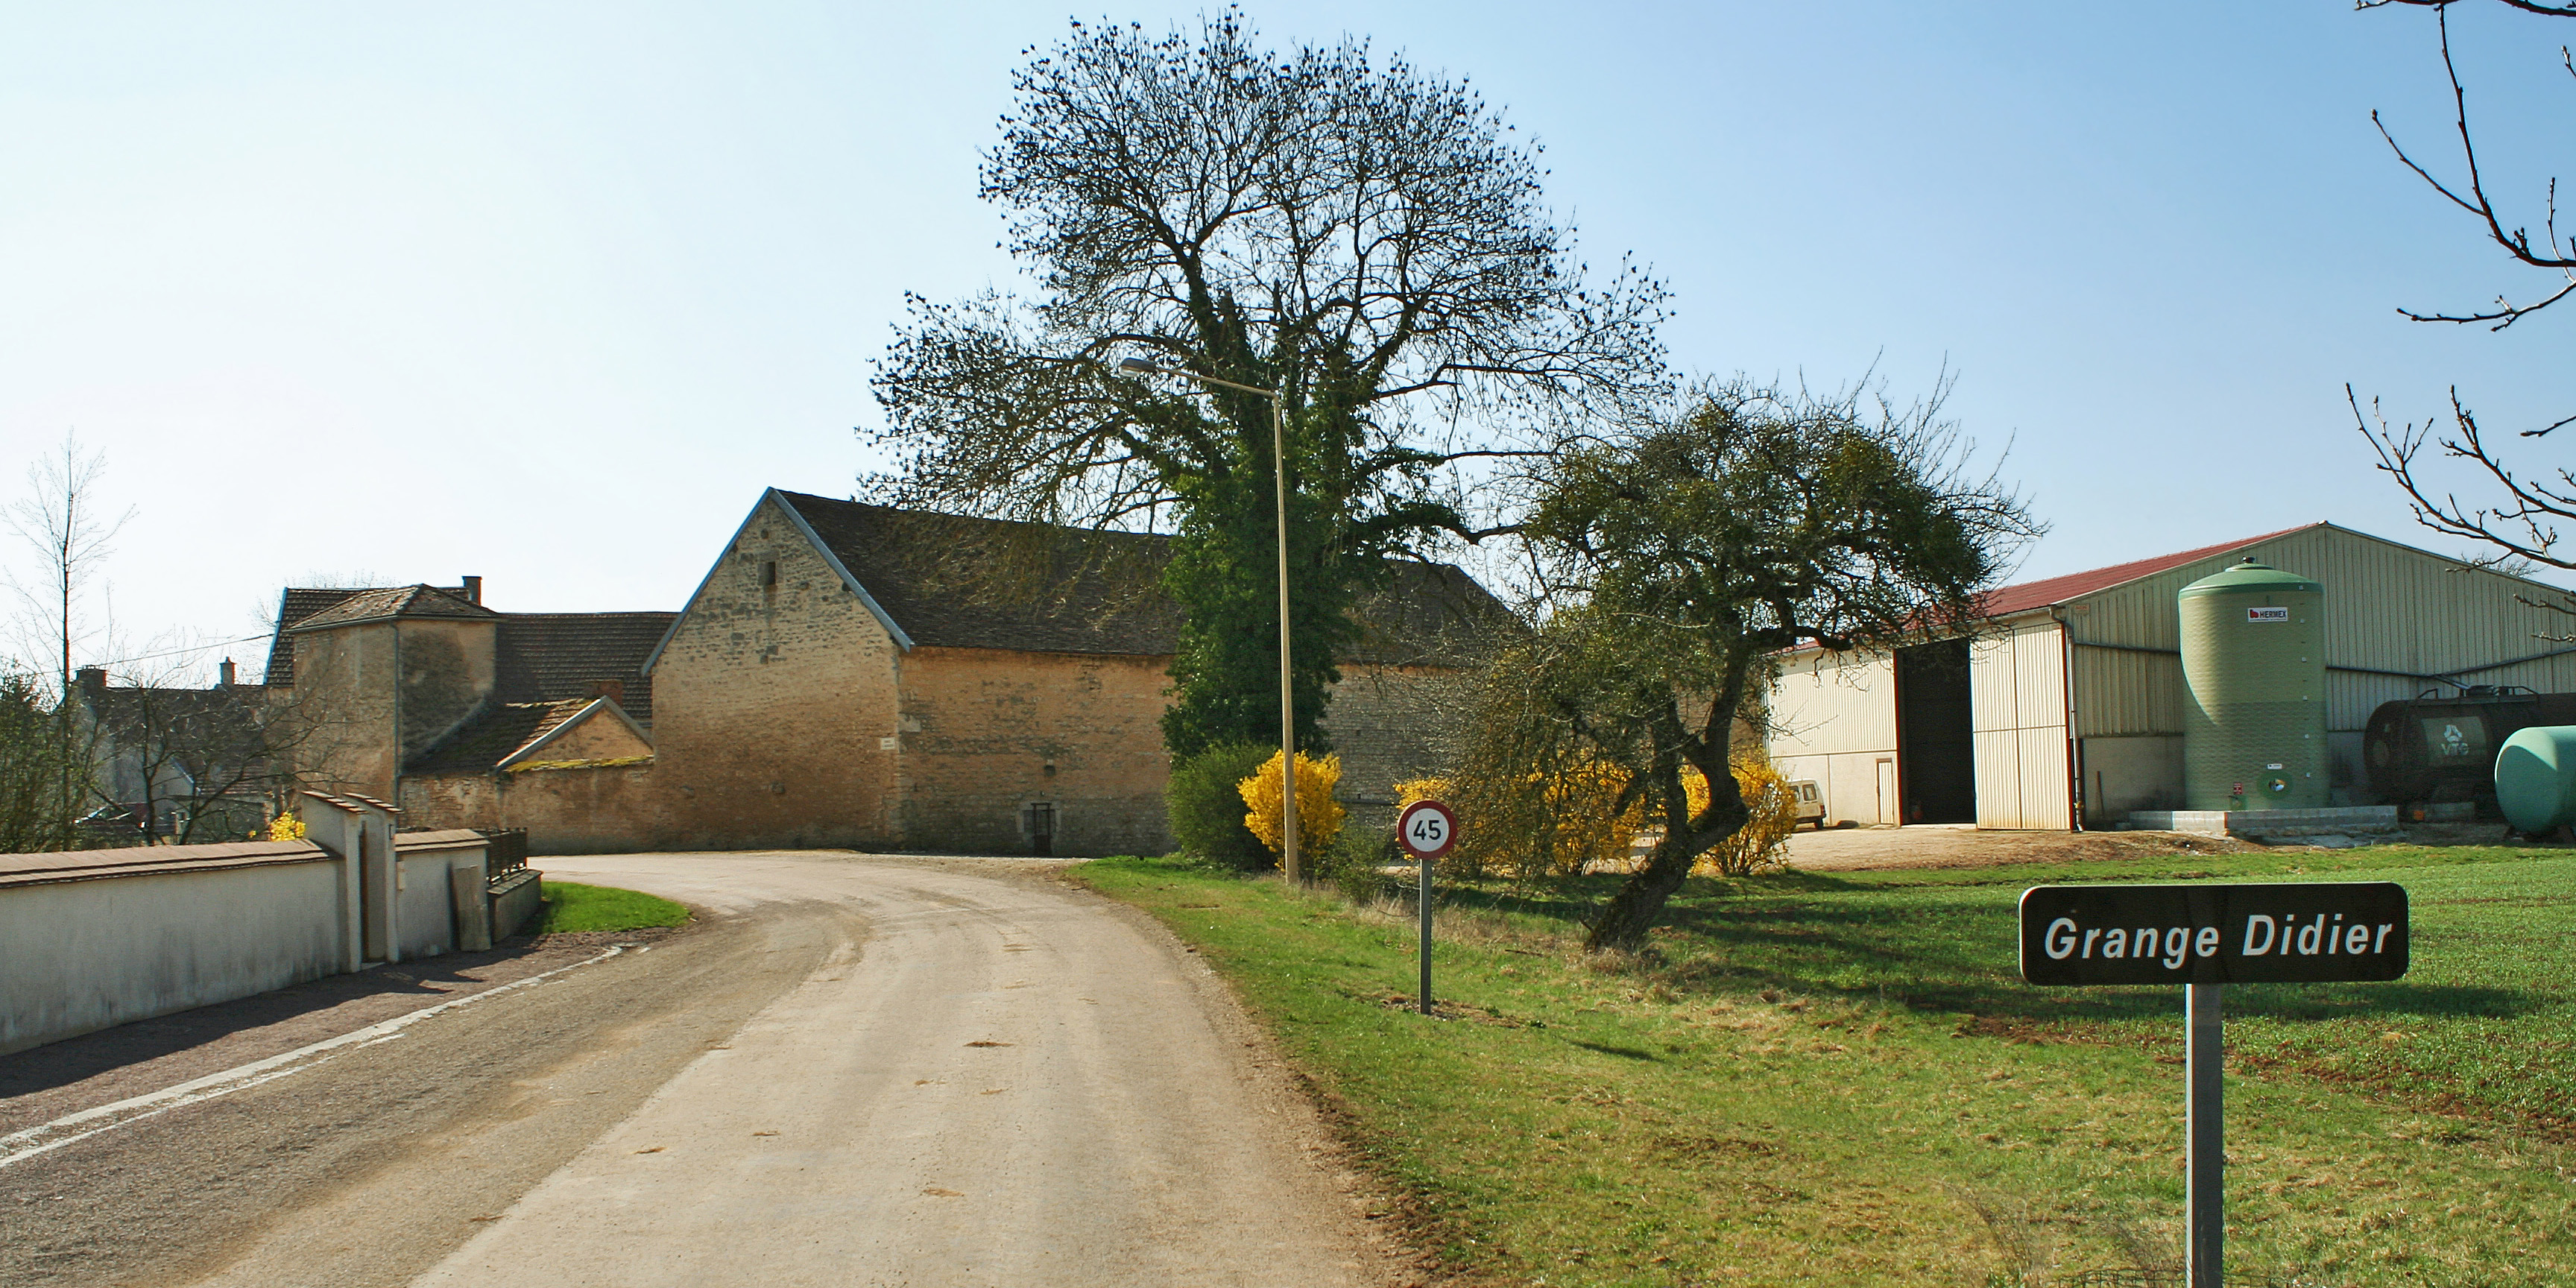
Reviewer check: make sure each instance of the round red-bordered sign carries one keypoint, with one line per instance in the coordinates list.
(1426, 829)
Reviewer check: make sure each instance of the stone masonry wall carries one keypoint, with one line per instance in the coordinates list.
(1386, 722)
(774, 708)
(988, 733)
(566, 811)
(447, 676)
(601, 737)
(344, 689)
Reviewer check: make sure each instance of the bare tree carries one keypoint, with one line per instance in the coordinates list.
(1364, 238)
(63, 520)
(193, 764)
(2514, 511)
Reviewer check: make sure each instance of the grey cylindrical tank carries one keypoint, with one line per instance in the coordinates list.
(2254, 680)
(2535, 778)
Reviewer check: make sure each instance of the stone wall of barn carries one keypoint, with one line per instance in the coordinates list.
(997, 746)
(774, 705)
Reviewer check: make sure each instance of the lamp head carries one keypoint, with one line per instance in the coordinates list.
(1138, 366)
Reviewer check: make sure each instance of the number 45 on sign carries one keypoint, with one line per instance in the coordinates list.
(1426, 830)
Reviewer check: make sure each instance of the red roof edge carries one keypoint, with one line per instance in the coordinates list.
(2050, 591)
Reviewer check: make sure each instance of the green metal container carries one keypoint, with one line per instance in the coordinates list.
(2535, 778)
(2254, 679)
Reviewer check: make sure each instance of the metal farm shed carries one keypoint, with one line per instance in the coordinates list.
(1977, 729)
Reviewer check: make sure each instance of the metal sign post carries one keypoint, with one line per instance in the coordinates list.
(2204, 1222)
(2205, 937)
(1426, 830)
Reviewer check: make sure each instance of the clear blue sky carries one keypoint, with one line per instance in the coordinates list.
(549, 293)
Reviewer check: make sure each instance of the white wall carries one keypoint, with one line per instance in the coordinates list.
(1834, 721)
(82, 955)
(2017, 682)
(91, 939)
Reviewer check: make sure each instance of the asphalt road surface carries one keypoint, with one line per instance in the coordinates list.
(853, 1071)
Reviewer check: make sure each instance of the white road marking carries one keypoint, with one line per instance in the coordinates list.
(19, 1146)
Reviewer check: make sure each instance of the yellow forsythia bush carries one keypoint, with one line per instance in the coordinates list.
(1531, 823)
(284, 827)
(1764, 840)
(1319, 816)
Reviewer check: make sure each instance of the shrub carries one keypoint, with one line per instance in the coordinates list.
(1319, 816)
(1206, 810)
(1356, 862)
(284, 827)
(1763, 842)
(1528, 822)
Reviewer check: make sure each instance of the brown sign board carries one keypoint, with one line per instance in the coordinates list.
(2214, 933)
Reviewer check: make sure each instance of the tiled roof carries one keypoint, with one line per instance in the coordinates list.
(2051, 591)
(392, 602)
(1100, 592)
(297, 605)
(548, 664)
(1102, 595)
(489, 738)
(550, 657)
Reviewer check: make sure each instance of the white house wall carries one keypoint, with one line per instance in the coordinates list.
(1834, 722)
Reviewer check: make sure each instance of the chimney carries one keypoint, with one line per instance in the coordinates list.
(613, 690)
(92, 681)
(473, 590)
(225, 673)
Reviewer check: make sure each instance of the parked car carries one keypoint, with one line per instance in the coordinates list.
(1811, 802)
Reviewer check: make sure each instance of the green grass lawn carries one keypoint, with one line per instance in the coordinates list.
(570, 907)
(1840, 1079)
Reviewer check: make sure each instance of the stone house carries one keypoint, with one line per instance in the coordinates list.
(466, 717)
(831, 682)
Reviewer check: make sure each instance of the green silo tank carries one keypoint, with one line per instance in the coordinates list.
(2535, 778)
(2254, 681)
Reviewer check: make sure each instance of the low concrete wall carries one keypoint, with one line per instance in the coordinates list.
(516, 900)
(2256, 824)
(425, 865)
(90, 939)
(95, 938)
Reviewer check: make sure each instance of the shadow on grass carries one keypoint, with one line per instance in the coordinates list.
(1623, 1052)
(1943, 949)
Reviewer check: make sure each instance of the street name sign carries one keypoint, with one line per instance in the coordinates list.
(2302, 932)
(2205, 936)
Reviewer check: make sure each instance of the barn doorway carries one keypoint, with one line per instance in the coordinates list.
(1936, 746)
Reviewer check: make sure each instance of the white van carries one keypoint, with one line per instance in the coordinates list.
(1811, 802)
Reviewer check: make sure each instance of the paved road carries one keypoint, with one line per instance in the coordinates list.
(856, 1072)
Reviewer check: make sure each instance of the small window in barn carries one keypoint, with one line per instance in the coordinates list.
(768, 574)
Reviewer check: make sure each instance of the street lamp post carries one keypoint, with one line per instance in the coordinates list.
(1288, 865)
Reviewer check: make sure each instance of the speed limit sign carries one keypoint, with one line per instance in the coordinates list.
(1426, 829)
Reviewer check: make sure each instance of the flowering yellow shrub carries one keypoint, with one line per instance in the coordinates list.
(1319, 816)
(1533, 823)
(1764, 840)
(284, 827)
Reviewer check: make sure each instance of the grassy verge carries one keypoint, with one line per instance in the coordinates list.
(570, 907)
(1840, 1079)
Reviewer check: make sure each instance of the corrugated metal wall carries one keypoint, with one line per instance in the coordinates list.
(2388, 608)
(2019, 681)
(1834, 722)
